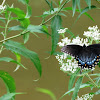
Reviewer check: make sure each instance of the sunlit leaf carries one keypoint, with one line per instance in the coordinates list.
(77, 87)
(2, 19)
(55, 25)
(20, 49)
(46, 91)
(98, 92)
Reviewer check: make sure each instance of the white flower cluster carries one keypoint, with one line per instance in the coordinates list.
(69, 64)
(2, 7)
(85, 97)
(93, 33)
(62, 30)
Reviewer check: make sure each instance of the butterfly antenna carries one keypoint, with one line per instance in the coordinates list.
(81, 71)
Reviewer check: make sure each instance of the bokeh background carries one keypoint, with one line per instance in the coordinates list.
(52, 78)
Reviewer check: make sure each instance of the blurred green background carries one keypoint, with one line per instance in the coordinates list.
(52, 78)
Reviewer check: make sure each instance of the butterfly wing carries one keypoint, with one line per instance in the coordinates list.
(94, 48)
(72, 49)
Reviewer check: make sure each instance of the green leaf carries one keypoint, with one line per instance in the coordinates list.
(84, 11)
(16, 28)
(7, 59)
(51, 94)
(78, 4)
(24, 1)
(9, 82)
(98, 92)
(26, 37)
(72, 79)
(81, 86)
(60, 2)
(2, 19)
(37, 28)
(8, 96)
(77, 87)
(20, 13)
(20, 49)
(55, 25)
(88, 3)
(74, 6)
(29, 12)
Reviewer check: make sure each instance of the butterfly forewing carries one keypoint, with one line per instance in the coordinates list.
(72, 49)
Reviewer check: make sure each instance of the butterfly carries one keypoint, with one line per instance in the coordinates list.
(86, 56)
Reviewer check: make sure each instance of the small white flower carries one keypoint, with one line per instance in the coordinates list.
(85, 97)
(2, 7)
(93, 33)
(62, 30)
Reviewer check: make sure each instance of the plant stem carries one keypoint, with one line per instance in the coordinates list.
(14, 36)
(91, 80)
(55, 13)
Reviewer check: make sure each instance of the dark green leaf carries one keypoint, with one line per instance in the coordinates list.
(24, 1)
(74, 6)
(78, 4)
(7, 59)
(20, 49)
(88, 3)
(51, 94)
(29, 12)
(15, 28)
(48, 2)
(9, 82)
(81, 86)
(26, 37)
(77, 87)
(37, 28)
(8, 96)
(84, 11)
(55, 25)
(72, 79)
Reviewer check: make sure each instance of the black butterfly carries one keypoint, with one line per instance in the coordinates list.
(87, 56)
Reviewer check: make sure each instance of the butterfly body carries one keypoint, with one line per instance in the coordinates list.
(86, 56)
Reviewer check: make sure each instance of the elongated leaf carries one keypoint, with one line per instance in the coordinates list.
(8, 96)
(84, 11)
(16, 28)
(81, 86)
(74, 6)
(7, 59)
(26, 37)
(72, 79)
(78, 4)
(20, 49)
(98, 92)
(29, 12)
(88, 3)
(24, 1)
(37, 28)
(55, 25)
(2, 19)
(51, 94)
(9, 82)
(77, 87)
